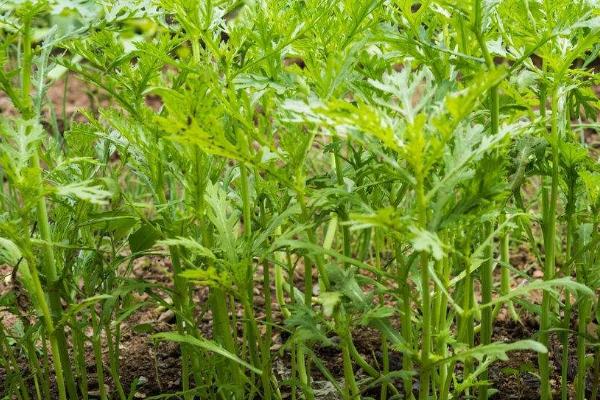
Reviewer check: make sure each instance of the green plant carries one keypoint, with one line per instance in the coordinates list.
(315, 170)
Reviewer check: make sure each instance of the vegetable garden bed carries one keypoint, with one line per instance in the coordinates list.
(316, 199)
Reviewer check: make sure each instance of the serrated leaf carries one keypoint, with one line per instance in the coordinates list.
(329, 300)
(205, 344)
(423, 240)
(208, 277)
(84, 191)
(144, 238)
(188, 243)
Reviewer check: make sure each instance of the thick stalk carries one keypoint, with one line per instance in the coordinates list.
(596, 374)
(425, 373)
(279, 290)
(466, 328)
(252, 330)
(487, 267)
(308, 287)
(505, 277)
(34, 364)
(302, 374)
(293, 351)
(486, 278)
(350, 385)
(113, 358)
(46, 367)
(384, 343)
(79, 347)
(266, 353)
(57, 339)
(222, 330)
(584, 313)
(566, 325)
(12, 368)
(549, 233)
(349, 379)
(198, 197)
(50, 271)
(584, 309)
(179, 302)
(406, 314)
(97, 347)
(443, 328)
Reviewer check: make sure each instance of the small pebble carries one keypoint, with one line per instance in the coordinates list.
(167, 316)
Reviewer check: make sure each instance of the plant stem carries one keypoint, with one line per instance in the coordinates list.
(549, 232)
(343, 330)
(584, 311)
(487, 268)
(252, 330)
(406, 314)
(266, 353)
(425, 295)
(97, 347)
(64, 376)
(570, 209)
(466, 328)
(505, 277)
(486, 297)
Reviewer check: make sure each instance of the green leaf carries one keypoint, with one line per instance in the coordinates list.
(460, 104)
(189, 244)
(83, 304)
(377, 313)
(494, 351)
(84, 191)
(9, 252)
(423, 240)
(208, 277)
(329, 300)
(205, 344)
(549, 285)
(144, 238)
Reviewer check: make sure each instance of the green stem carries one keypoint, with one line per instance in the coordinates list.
(97, 347)
(113, 358)
(64, 376)
(505, 277)
(384, 343)
(58, 340)
(444, 328)
(247, 296)
(425, 295)
(549, 232)
(596, 375)
(406, 314)
(486, 278)
(222, 330)
(466, 328)
(266, 353)
(79, 347)
(302, 374)
(584, 309)
(350, 380)
(343, 328)
(486, 271)
(584, 312)
(566, 325)
(12, 369)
